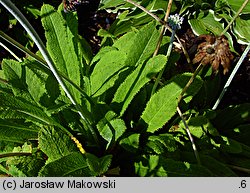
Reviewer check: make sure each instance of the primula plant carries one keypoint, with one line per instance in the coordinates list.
(128, 109)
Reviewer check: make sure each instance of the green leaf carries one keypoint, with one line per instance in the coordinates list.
(162, 143)
(61, 46)
(4, 170)
(41, 83)
(227, 145)
(235, 5)
(85, 50)
(4, 87)
(110, 3)
(230, 145)
(231, 117)
(139, 46)
(17, 107)
(131, 142)
(73, 164)
(124, 57)
(242, 30)
(31, 82)
(157, 5)
(54, 143)
(31, 165)
(199, 126)
(138, 104)
(209, 91)
(15, 172)
(240, 133)
(98, 165)
(245, 150)
(107, 71)
(36, 84)
(101, 54)
(154, 165)
(136, 80)
(12, 69)
(13, 72)
(82, 47)
(136, 15)
(12, 156)
(162, 105)
(16, 131)
(218, 168)
(205, 24)
(33, 10)
(240, 162)
(110, 128)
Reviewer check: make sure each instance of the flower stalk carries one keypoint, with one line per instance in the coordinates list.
(175, 22)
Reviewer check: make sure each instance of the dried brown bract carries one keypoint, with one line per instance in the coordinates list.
(214, 51)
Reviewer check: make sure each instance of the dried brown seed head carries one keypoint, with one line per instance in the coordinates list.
(214, 51)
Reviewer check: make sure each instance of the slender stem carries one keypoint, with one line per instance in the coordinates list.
(12, 53)
(146, 11)
(4, 81)
(161, 72)
(235, 16)
(238, 63)
(163, 28)
(190, 82)
(22, 48)
(246, 170)
(181, 115)
(33, 34)
(2, 155)
(170, 2)
(231, 77)
(166, 27)
(190, 136)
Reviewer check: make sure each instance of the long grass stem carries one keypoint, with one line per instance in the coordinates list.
(231, 77)
(146, 11)
(163, 28)
(235, 16)
(196, 72)
(190, 136)
(12, 53)
(161, 72)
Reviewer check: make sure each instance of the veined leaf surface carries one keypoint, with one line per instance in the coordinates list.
(157, 165)
(139, 46)
(54, 143)
(16, 132)
(17, 107)
(61, 46)
(107, 71)
(130, 50)
(136, 80)
(162, 106)
(73, 164)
